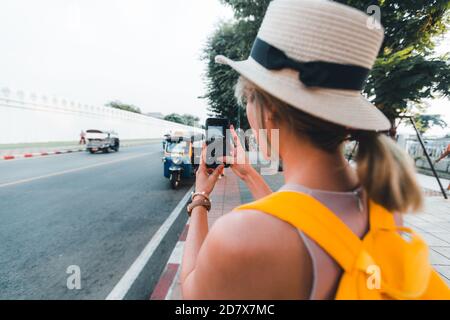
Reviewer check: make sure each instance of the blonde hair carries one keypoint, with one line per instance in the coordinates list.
(384, 170)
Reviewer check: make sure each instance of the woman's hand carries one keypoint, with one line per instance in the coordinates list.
(206, 178)
(245, 171)
(239, 162)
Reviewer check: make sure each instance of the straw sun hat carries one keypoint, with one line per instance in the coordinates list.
(316, 55)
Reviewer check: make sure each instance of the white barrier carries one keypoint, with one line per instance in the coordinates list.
(434, 148)
(28, 118)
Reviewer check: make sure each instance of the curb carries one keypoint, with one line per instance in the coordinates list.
(38, 154)
(167, 287)
(50, 153)
(432, 193)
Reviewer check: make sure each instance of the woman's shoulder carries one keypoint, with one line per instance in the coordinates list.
(264, 248)
(255, 228)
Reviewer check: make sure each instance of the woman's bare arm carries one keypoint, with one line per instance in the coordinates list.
(245, 171)
(256, 184)
(206, 179)
(198, 230)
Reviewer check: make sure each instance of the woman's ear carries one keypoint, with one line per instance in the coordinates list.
(269, 118)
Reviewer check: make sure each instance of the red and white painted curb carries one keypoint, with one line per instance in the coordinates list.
(168, 286)
(54, 152)
(38, 154)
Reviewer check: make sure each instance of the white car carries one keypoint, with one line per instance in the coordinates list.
(105, 141)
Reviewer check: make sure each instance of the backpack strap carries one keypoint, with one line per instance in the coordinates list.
(380, 218)
(315, 220)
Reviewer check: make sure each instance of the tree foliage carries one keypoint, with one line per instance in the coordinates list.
(426, 121)
(221, 79)
(405, 73)
(186, 119)
(123, 106)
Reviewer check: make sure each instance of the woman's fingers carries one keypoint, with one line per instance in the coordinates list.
(237, 144)
(227, 159)
(236, 139)
(217, 172)
(234, 134)
(202, 165)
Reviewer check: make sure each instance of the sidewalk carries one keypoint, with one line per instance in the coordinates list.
(431, 186)
(433, 225)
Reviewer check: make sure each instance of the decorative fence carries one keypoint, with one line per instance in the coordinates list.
(434, 149)
(29, 117)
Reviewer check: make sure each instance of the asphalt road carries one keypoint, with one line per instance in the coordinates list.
(94, 211)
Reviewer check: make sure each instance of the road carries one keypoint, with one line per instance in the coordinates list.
(94, 211)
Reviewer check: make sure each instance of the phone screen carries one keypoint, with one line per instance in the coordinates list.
(214, 132)
(216, 141)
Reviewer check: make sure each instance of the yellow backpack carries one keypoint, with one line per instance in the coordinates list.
(389, 263)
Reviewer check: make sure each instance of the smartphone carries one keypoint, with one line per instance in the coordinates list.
(217, 144)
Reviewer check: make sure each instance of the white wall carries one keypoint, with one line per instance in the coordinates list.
(26, 118)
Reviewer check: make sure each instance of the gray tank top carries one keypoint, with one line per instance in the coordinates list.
(351, 208)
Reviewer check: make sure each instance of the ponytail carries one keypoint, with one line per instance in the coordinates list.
(387, 173)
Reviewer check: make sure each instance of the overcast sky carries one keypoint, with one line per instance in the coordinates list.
(142, 52)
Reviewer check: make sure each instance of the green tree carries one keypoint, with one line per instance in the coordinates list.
(425, 121)
(174, 117)
(231, 39)
(186, 119)
(123, 106)
(405, 73)
(191, 120)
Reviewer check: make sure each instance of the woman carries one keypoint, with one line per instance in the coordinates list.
(304, 77)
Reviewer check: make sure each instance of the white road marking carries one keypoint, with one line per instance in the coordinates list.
(125, 283)
(60, 173)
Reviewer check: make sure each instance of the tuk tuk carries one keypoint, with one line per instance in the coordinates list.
(165, 140)
(181, 157)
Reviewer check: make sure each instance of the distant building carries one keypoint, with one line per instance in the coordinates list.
(157, 115)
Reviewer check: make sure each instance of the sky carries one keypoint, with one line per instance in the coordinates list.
(142, 52)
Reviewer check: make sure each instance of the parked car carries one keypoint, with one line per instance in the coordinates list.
(105, 141)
